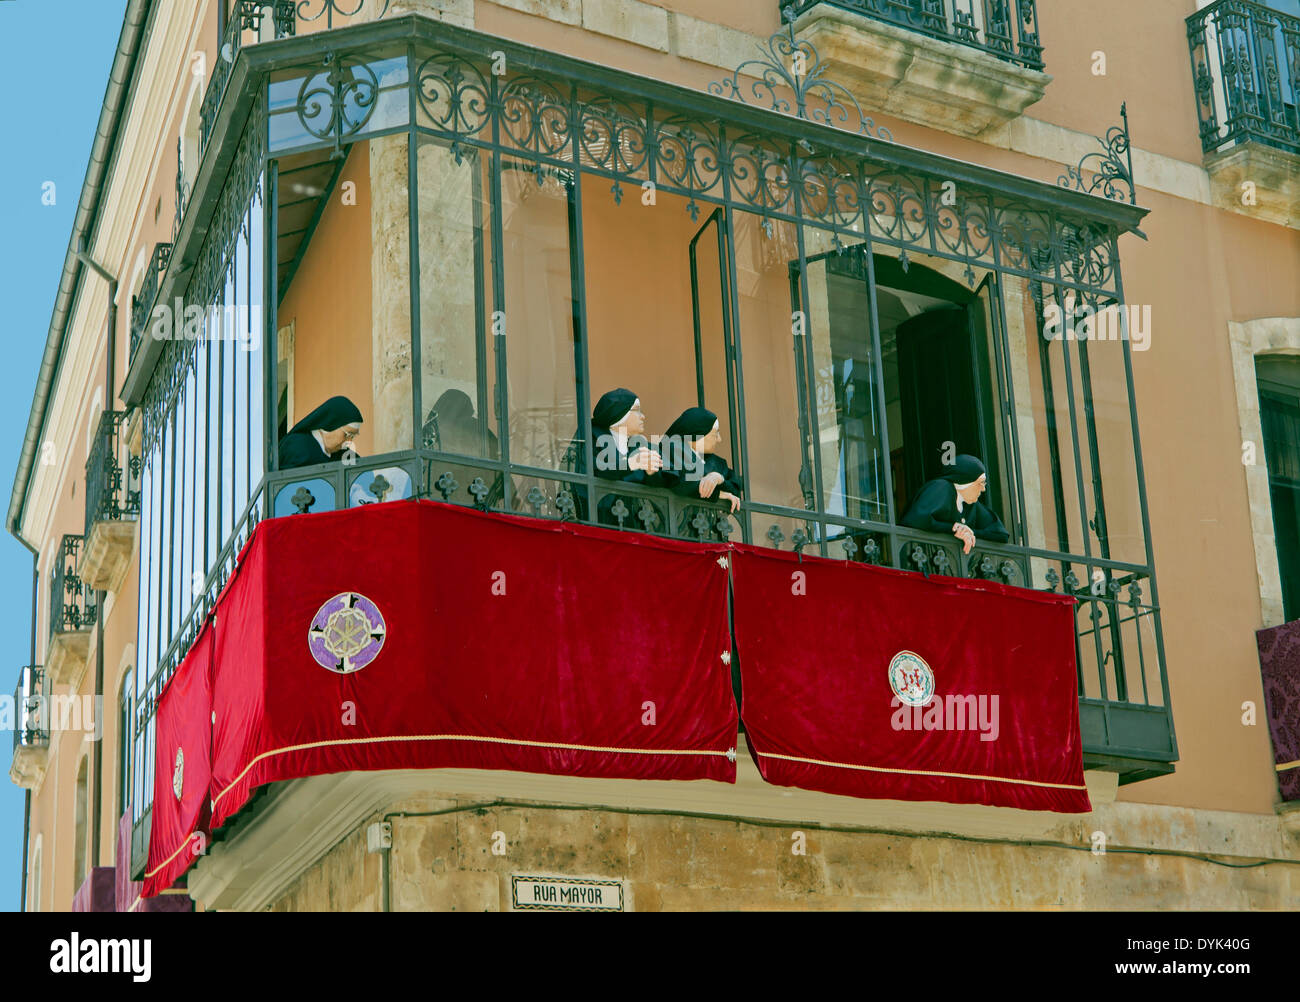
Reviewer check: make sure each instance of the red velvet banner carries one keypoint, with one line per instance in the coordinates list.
(417, 635)
(992, 667)
(182, 769)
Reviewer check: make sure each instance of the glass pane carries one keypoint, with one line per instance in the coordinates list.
(455, 302)
(774, 360)
(215, 423)
(851, 440)
(200, 447)
(231, 418)
(540, 323)
(168, 474)
(256, 343)
(183, 554)
(236, 296)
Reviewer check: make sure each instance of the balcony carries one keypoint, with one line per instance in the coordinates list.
(1246, 71)
(31, 728)
(964, 67)
(112, 505)
(73, 608)
(400, 302)
(142, 303)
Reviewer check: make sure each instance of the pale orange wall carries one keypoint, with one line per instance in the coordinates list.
(328, 301)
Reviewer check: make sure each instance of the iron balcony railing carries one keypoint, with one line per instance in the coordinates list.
(112, 474)
(32, 709)
(1246, 69)
(1007, 29)
(72, 601)
(142, 303)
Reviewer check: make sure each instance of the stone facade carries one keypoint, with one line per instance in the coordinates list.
(446, 862)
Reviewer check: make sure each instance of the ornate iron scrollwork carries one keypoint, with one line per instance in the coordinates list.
(1108, 172)
(805, 79)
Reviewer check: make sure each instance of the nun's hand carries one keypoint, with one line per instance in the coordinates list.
(646, 460)
(966, 534)
(710, 483)
(728, 496)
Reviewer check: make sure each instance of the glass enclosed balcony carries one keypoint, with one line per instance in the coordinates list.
(473, 258)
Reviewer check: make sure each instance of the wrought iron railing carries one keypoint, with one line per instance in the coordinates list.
(1007, 29)
(1246, 70)
(142, 303)
(72, 601)
(32, 709)
(112, 474)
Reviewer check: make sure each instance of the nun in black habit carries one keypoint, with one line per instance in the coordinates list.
(694, 468)
(322, 435)
(620, 452)
(951, 505)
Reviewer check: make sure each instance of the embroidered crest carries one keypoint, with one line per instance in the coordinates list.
(178, 773)
(911, 678)
(347, 633)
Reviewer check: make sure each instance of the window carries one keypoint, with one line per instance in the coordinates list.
(1278, 379)
(79, 829)
(124, 703)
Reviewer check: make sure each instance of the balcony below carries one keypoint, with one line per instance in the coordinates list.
(944, 77)
(31, 728)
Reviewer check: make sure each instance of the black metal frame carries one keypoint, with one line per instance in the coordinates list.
(722, 158)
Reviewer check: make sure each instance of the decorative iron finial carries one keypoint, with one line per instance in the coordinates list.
(804, 78)
(1111, 169)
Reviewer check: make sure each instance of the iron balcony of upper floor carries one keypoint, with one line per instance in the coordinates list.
(1246, 70)
(112, 505)
(1006, 29)
(73, 612)
(1126, 721)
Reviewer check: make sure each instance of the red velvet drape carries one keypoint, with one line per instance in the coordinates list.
(182, 769)
(816, 638)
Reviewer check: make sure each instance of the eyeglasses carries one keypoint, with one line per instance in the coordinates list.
(348, 436)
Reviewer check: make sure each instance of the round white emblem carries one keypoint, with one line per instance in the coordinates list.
(911, 679)
(347, 633)
(178, 774)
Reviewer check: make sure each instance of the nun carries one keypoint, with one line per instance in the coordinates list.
(620, 452)
(950, 504)
(323, 436)
(695, 469)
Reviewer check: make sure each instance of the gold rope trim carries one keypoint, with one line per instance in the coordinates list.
(1287, 765)
(184, 842)
(460, 737)
(920, 772)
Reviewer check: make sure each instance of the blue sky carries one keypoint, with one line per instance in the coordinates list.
(55, 56)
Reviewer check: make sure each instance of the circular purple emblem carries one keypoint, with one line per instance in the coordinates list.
(347, 633)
